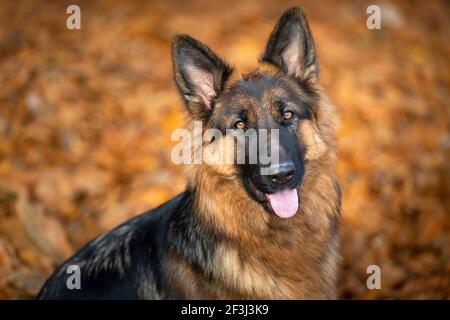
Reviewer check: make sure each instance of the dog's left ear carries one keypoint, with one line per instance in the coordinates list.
(291, 47)
(199, 74)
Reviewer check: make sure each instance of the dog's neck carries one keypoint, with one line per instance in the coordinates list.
(252, 245)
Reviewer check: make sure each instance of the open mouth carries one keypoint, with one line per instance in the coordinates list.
(284, 203)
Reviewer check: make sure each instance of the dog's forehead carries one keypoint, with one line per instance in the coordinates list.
(257, 87)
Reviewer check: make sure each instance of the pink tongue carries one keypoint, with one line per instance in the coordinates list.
(284, 203)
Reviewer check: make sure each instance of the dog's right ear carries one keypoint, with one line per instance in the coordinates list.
(199, 74)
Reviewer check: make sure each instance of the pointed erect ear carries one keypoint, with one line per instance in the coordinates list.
(291, 46)
(199, 73)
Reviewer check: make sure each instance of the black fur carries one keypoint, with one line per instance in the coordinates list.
(129, 261)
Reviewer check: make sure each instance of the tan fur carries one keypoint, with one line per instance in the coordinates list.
(268, 257)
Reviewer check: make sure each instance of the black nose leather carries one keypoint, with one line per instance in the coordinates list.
(283, 175)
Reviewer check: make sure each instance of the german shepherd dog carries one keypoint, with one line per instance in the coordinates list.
(234, 233)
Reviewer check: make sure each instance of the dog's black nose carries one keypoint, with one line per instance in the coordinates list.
(283, 175)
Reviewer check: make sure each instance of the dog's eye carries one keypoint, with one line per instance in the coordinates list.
(288, 115)
(239, 125)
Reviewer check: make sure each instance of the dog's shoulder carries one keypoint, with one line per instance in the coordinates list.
(117, 264)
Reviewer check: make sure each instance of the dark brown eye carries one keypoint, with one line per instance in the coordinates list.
(239, 125)
(287, 115)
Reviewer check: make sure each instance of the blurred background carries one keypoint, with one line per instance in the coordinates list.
(86, 117)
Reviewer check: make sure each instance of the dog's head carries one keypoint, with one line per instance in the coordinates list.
(280, 96)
